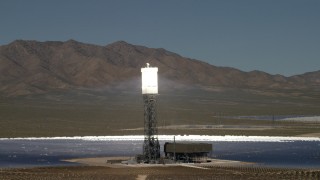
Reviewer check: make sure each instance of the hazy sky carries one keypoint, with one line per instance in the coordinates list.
(275, 36)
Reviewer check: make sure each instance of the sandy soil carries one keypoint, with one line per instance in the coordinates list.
(309, 135)
(150, 173)
(109, 162)
(213, 127)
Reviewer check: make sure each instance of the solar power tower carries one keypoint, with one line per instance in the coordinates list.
(151, 147)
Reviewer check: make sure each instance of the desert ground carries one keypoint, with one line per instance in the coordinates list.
(200, 112)
(122, 114)
(164, 172)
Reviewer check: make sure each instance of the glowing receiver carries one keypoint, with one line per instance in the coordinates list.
(149, 80)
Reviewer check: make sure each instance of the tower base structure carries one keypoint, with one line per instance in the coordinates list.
(151, 146)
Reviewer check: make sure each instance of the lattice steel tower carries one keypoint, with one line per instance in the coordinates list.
(151, 147)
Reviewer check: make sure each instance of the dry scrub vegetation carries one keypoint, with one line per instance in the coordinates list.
(113, 114)
(187, 173)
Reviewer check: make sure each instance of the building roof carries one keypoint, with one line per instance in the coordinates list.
(187, 147)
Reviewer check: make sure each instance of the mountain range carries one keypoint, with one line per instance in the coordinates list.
(32, 67)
